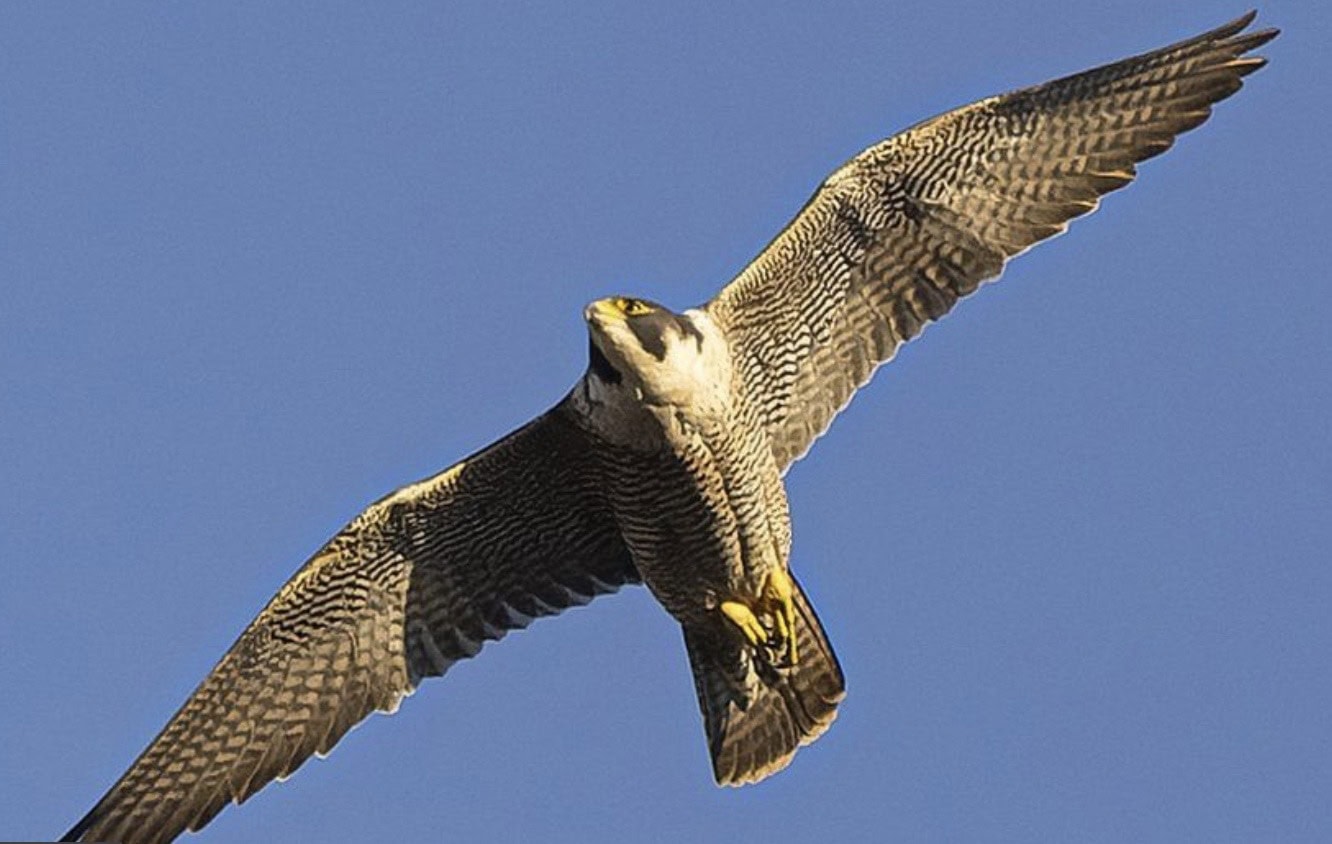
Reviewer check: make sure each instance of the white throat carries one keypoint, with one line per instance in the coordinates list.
(691, 381)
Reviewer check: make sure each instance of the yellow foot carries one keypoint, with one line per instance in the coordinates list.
(743, 617)
(778, 595)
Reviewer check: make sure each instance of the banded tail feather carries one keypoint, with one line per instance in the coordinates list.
(757, 716)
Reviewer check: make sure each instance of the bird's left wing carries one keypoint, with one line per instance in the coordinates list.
(895, 237)
(418, 581)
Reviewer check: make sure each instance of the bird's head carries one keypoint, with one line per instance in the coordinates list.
(641, 344)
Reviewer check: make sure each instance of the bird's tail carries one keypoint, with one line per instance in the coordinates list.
(757, 715)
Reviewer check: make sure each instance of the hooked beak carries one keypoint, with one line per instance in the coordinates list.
(601, 312)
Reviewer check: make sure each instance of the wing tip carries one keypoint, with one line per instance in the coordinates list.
(1234, 32)
(78, 829)
(85, 824)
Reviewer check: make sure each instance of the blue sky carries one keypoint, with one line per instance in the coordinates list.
(260, 267)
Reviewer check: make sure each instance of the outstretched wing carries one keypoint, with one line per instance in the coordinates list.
(418, 581)
(902, 231)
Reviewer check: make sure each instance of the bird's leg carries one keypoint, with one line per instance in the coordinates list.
(744, 619)
(778, 597)
(774, 635)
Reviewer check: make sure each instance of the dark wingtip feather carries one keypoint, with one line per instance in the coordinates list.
(1254, 40)
(1230, 28)
(85, 823)
(78, 829)
(1230, 35)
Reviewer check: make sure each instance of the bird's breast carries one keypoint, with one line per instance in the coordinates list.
(704, 514)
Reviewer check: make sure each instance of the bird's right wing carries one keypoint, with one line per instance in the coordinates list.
(895, 237)
(418, 581)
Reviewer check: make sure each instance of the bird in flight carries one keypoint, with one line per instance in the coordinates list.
(664, 463)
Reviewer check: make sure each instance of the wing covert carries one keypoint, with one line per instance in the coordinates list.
(418, 581)
(897, 235)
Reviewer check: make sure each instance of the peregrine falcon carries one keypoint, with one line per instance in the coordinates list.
(664, 463)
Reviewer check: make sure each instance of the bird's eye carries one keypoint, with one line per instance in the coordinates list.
(634, 307)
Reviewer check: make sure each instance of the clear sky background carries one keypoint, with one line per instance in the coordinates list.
(259, 267)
